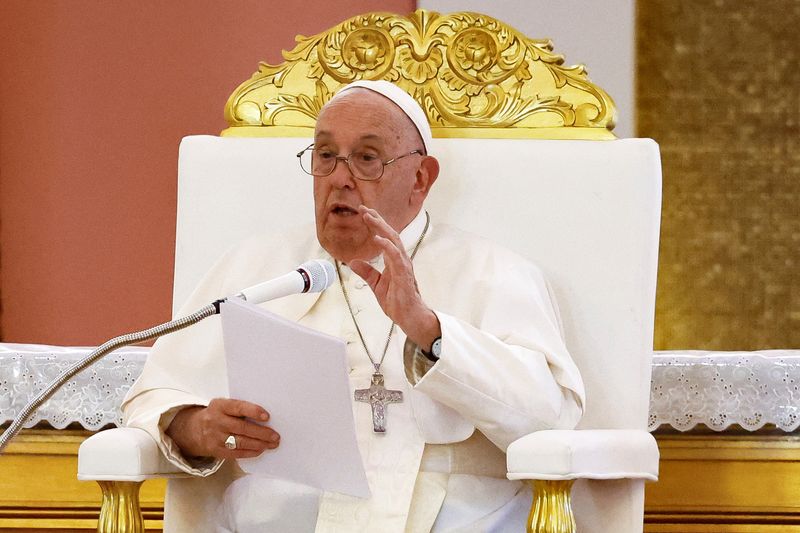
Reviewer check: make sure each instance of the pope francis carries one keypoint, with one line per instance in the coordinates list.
(466, 330)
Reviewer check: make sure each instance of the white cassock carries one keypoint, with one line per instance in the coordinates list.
(504, 370)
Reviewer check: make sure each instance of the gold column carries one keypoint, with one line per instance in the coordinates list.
(120, 512)
(552, 508)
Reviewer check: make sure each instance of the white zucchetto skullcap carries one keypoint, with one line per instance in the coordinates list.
(401, 99)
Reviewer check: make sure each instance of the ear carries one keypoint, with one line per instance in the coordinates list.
(426, 176)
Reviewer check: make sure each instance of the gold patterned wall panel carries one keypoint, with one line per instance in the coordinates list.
(718, 86)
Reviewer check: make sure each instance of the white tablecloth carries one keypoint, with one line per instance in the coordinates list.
(91, 399)
(717, 389)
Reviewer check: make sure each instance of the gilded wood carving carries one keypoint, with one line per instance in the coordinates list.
(466, 70)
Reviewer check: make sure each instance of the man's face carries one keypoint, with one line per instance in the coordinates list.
(364, 121)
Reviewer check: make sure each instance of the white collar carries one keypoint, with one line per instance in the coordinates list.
(413, 231)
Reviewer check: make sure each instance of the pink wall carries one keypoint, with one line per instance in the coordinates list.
(94, 99)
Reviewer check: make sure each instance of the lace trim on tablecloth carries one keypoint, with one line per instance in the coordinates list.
(719, 389)
(92, 398)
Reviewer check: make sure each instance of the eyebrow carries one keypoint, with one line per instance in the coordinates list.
(367, 137)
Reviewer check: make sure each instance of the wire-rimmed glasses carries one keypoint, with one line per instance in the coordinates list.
(364, 166)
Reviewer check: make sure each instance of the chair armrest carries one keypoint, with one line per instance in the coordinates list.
(123, 454)
(590, 453)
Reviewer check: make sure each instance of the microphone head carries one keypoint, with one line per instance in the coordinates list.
(321, 273)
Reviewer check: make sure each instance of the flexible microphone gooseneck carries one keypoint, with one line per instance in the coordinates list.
(312, 276)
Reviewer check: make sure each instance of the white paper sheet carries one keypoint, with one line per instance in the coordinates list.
(300, 377)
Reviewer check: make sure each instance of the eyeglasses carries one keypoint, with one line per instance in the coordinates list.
(363, 165)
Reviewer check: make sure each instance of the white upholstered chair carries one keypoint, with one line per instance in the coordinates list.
(587, 211)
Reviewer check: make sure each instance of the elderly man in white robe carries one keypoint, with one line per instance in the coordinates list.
(467, 330)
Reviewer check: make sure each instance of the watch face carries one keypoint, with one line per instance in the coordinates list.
(436, 347)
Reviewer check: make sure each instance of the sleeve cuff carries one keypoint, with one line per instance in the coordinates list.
(415, 363)
(196, 466)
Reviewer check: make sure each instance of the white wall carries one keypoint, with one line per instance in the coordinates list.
(597, 33)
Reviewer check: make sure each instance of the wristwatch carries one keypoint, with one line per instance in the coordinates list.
(436, 350)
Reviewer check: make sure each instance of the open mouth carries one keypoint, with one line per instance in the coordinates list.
(343, 210)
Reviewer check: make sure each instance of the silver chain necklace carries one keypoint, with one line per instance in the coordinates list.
(377, 395)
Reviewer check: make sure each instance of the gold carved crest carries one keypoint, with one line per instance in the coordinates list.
(472, 74)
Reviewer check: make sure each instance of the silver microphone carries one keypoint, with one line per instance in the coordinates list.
(312, 276)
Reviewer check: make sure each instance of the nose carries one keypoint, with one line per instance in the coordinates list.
(342, 176)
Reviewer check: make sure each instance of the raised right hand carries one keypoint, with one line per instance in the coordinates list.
(201, 431)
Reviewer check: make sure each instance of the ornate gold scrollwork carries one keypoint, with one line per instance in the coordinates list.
(466, 70)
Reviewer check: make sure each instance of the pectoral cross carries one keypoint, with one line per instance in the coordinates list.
(378, 397)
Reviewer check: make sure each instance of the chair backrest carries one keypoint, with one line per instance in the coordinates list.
(586, 211)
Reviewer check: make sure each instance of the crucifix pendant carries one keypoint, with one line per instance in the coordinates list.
(378, 397)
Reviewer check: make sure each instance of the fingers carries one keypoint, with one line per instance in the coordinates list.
(365, 271)
(240, 408)
(245, 447)
(225, 417)
(243, 427)
(379, 226)
(246, 444)
(235, 414)
(245, 454)
(394, 256)
(388, 239)
(398, 266)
